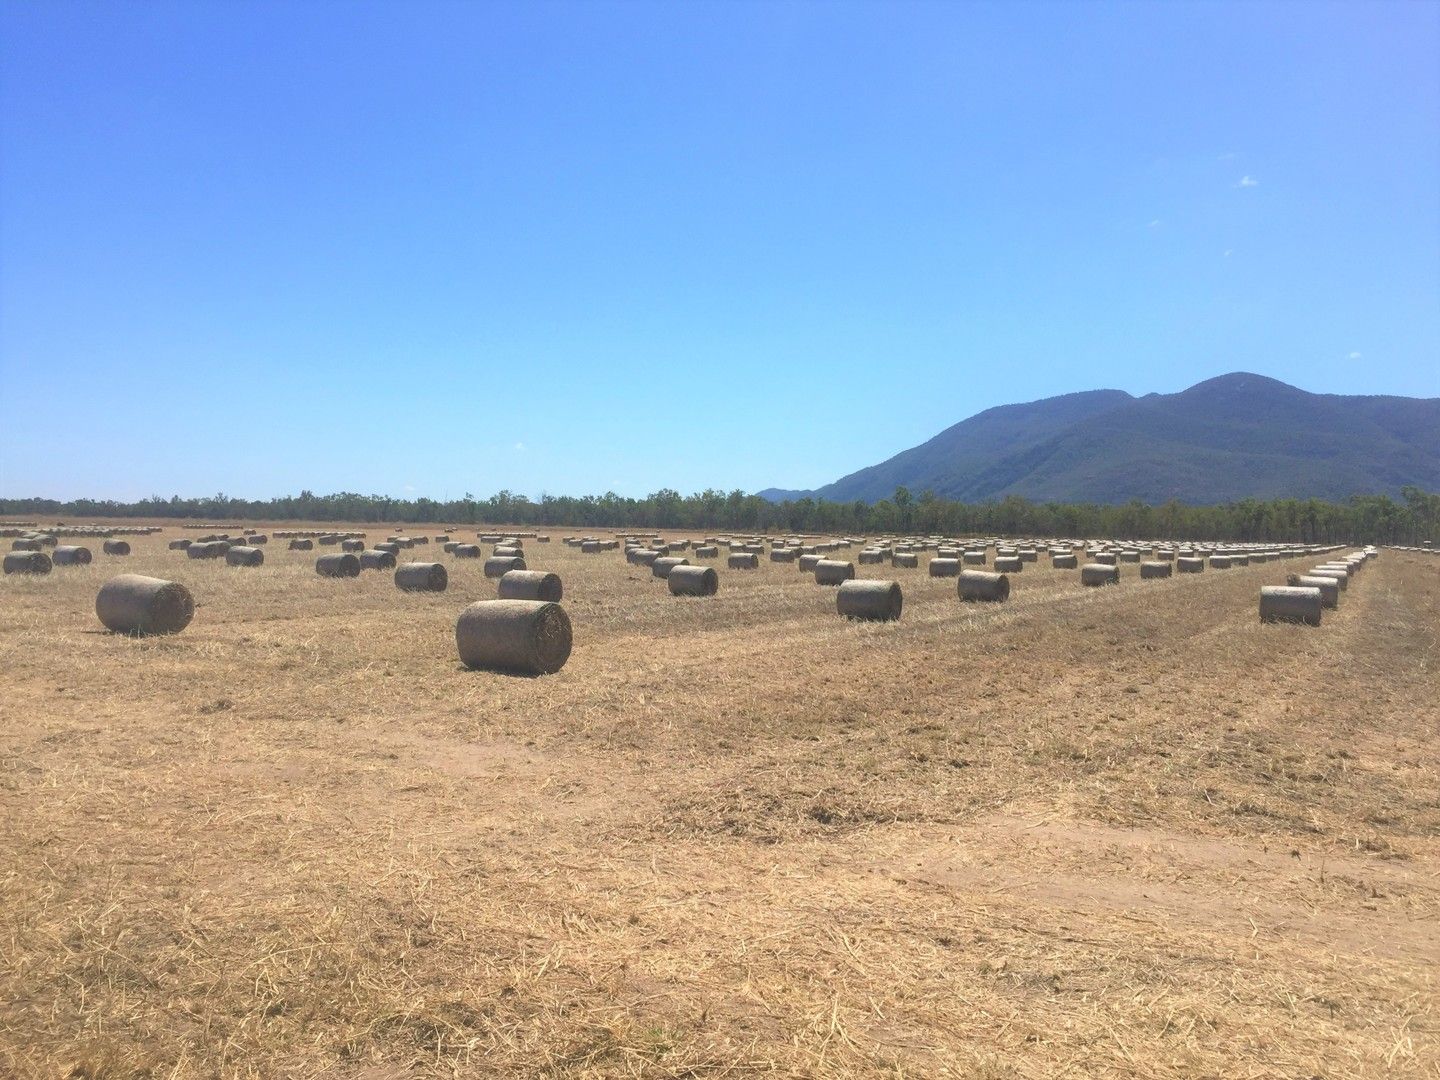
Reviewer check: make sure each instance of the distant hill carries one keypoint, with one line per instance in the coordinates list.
(1233, 437)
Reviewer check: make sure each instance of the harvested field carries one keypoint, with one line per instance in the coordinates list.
(1128, 831)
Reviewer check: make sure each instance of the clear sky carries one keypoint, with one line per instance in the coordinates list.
(425, 248)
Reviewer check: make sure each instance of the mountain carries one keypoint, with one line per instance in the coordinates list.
(1233, 437)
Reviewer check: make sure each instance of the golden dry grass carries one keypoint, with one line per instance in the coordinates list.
(1115, 832)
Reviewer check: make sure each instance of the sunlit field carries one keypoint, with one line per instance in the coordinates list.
(1109, 831)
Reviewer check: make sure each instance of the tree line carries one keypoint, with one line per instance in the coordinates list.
(1363, 518)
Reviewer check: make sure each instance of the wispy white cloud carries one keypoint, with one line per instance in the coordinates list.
(1354, 356)
(1248, 181)
(1229, 252)
(1154, 224)
(519, 446)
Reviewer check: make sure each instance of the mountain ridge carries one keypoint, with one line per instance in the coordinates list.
(1226, 438)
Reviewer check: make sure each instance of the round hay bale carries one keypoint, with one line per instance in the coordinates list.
(1028, 555)
(973, 558)
(905, 560)
(1287, 603)
(421, 577)
(389, 545)
(982, 585)
(833, 571)
(355, 546)
(133, 604)
(1104, 558)
(873, 601)
(115, 547)
(1064, 562)
(27, 562)
(443, 538)
(302, 545)
(1187, 564)
(532, 637)
(1339, 576)
(256, 540)
(707, 551)
(806, 563)
(743, 560)
(342, 564)
(1329, 587)
(783, 554)
(944, 567)
(179, 545)
(466, 551)
(449, 547)
(375, 559)
(1155, 570)
(68, 555)
(1220, 562)
(1009, 564)
(244, 556)
(687, 580)
(1130, 556)
(531, 585)
(590, 547)
(46, 540)
(500, 565)
(507, 551)
(661, 566)
(1099, 574)
(870, 557)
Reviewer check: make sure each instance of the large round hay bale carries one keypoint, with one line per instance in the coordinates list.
(982, 585)
(1009, 564)
(1340, 576)
(687, 580)
(70, 555)
(1155, 570)
(528, 636)
(1104, 558)
(1130, 555)
(1287, 603)
(421, 577)
(342, 564)
(1220, 562)
(531, 585)
(646, 557)
(783, 554)
(1099, 574)
(133, 604)
(180, 544)
(115, 547)
(375, 559)
(500, 565)
(1328, 586)
(355, 546)
(47, 540)
(905, 560)
(806, 563)
(707, 551)
(661, 566)
(27, 562)
(466, 551)
(507, 551)
(392, 546)
(449, 547)
(1064, 562)
(1028, 555)
(945, 567)
(1189, 564)
(256, 539)
(874, 601)
(869, 557)
(743, 560)
(302, 545)
(244, 556)
(973, 558)
(833, 571)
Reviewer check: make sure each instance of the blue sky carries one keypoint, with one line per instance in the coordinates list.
(420, 248)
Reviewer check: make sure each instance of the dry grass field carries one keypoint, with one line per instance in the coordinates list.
(1127, 831)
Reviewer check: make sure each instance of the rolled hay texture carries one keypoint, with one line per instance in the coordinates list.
(356, 546)
(465, 551)
(906, 560)
(707, 551)
(806, 563)
(1130, 556)
(1105, 558)
(179, 545)
(743, 560)
(257, 540)
(449, 547)
(690, 580)
(421, 577)
(661, 566)
(302, 545)
(944, 567)
(1340, 577)
(646, 557)
(1189, 564)
(244, 556)
(1009, 564)
(374, 559)
(344, 564)
(27, 562)
(1155, 570)
(508, 551)
(531, 585)
(982, 585)
(1220, 562)
(783, 554)
(873, 601)
(1329, 587)
(973, 558)
(134, 604)
(868, 557)
(68, 555)
(46, 540)
(531, 637)
(1288, 603)
(1063, 562)
(833, 571)
(1099, 574)
(590, 547)
(500, 565)
(1028, 555)
(390, 545)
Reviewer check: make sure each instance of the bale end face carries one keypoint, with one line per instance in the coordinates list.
(421, 577)
(693, 581)
(133, 604)
(528, 637)
(531, 585)
(27, 562)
